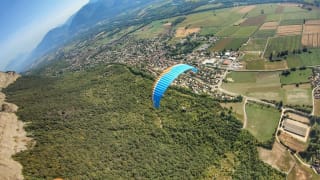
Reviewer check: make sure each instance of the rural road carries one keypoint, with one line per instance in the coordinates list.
(244, 113)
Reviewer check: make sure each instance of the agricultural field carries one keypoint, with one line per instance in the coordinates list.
(275, 65)
(291, 142)
(311, 33)
(237, 109)
(291, 22)
(284, 43)
(289, 30)
(153, 29)
(246, 9)
(244, 31)
(228, 43)
(254, 64)
(264, 9)
(296, 77)
(302, 172)
(184, 32)
(228, 31)
(219, 19)
(266, 85)
(262, 121)
(297, 95)
(304, 59)
(269, 25)
(264, 33)
(278, 157)
(254, 21)
(255, 44)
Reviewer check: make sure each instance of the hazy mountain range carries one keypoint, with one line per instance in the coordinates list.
(87, 17)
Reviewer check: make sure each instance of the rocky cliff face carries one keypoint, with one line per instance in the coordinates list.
(13, 138)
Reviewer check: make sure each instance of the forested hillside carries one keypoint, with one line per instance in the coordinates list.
(100, 124)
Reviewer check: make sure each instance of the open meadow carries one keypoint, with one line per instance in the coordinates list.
(262, 121)
(296, 77)
(236, 108)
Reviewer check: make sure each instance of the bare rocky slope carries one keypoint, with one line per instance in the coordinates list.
(12, 135)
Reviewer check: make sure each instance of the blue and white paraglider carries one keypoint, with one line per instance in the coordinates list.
(165, 79)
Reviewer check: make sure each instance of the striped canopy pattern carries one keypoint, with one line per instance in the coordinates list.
(165, 79)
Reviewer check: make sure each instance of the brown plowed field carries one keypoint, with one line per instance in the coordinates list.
(246, 9)
(313, 22)
(269, 25)
(289, 30)
(311, 34)
(183, 32)
(253, 21)
(291, 142)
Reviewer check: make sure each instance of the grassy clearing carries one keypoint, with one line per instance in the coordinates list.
(296, 77)
(265, 33)
(244, 31)
(256, 44)
(237, 109)
(304, 59)
(284, 43)
(262, 121)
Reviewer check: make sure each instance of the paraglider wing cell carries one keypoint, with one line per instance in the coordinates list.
(165, 79)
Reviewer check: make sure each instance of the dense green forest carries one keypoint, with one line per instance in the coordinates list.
(100, 124)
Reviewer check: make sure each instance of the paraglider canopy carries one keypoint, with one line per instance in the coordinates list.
(165, 79)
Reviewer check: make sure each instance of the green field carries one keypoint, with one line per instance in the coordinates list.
(219, 18)
(296, 77)
(244, 31)
(255, 44)
(274, 17)
(291, 22)
(209, 30)
(264, 33)
(283, 43)
(266, 85)
(253, 61)
(228, 43)
(304, 59)
(228, 31)
(267, 9)
(262, 121)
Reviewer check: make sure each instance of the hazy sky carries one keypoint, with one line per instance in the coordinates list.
(23, 23)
